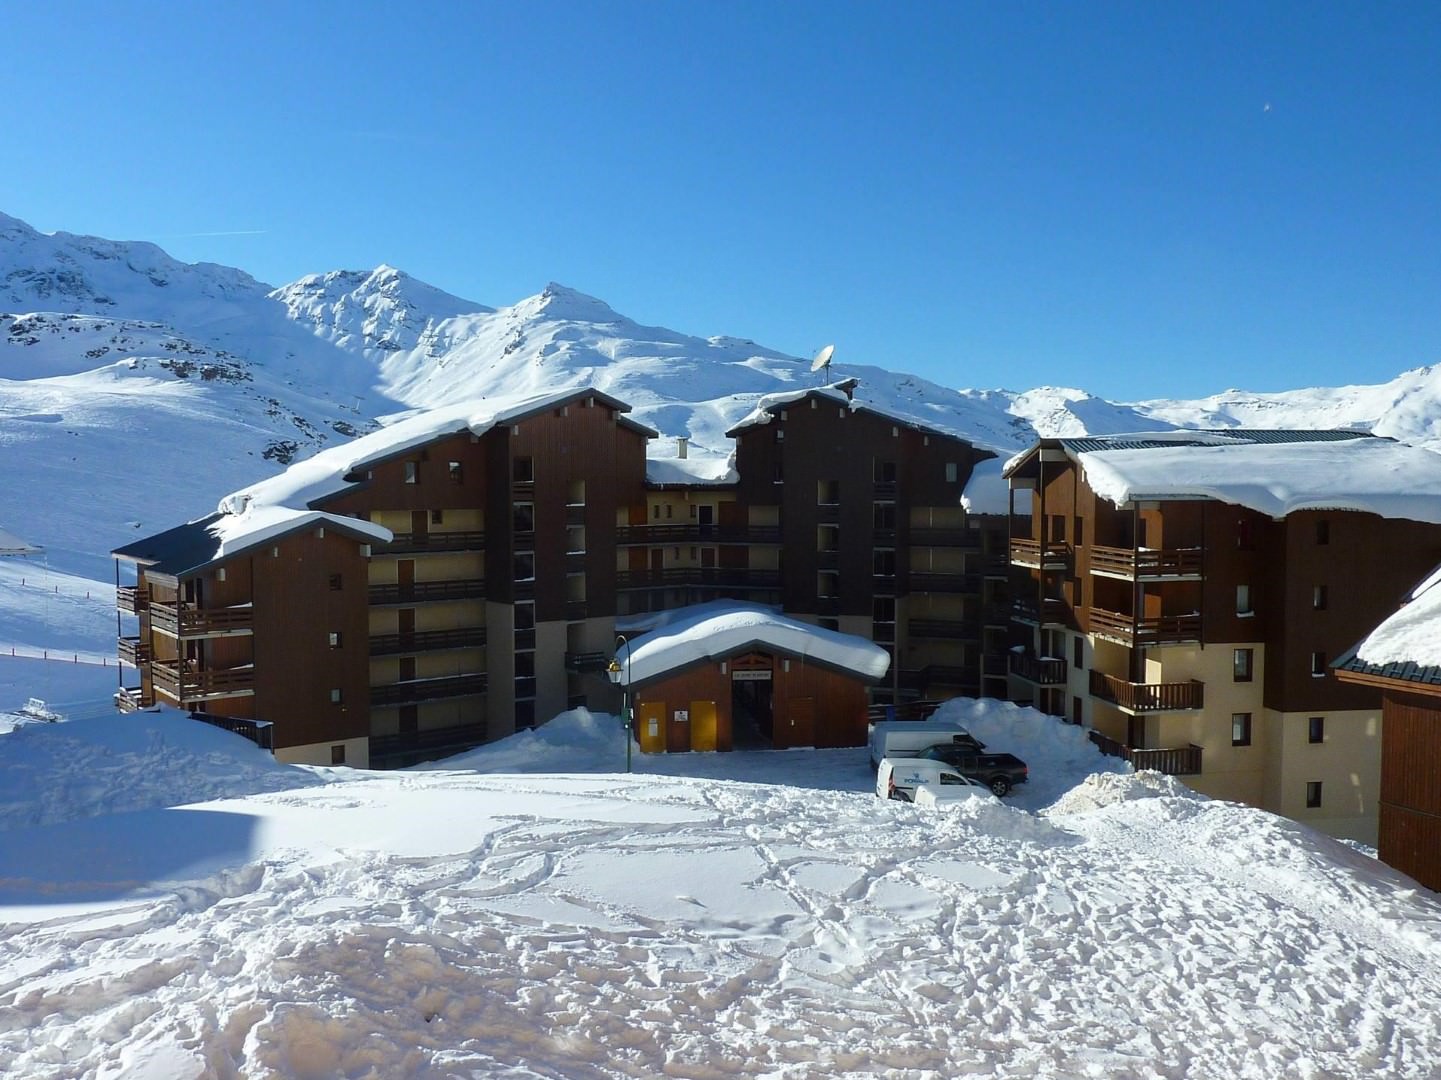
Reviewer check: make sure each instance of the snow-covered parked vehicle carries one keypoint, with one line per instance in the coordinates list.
(999, 772)
(899, 778)
(900, 738)
(950, 793)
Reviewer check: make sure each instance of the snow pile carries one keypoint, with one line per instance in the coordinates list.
(1107, 789)
(83, 768)
(1370, 475)
(987, 491)
(1413, 634)
(573, 742)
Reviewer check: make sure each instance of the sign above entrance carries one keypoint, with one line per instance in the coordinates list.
(750, 676)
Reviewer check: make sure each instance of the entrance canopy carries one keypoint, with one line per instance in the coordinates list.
(706, 632)
(10, 544)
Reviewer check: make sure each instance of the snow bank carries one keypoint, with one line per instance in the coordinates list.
(1107, 789)
(1413, 634)
(51, 773)
(574, 741)
(987, 491)
(1369, 475)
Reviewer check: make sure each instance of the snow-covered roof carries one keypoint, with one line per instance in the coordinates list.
(1274, 473)
(305, 482)
(1407, 645)
(723, 627)
(10, 544)
(199, 543)
(987, 491)
(692, 471)
(849, 394)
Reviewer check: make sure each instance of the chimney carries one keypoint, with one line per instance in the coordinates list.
(682, 445)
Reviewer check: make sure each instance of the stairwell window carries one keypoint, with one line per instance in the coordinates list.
(1242, 664)
(454, 472)
(1316, 729)
(1243, 601)
(1313, 794)
(1318, 598)
(336, 582)
(1240, 729)
(335, 639)
(1318, 664)
(412, 472)
(335, 696)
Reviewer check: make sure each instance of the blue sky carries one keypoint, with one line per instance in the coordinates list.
(1138, 199)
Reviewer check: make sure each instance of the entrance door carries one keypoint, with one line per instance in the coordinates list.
(405, 575)
(419, 526)
(800, 725)
(657, 558)
(705, 518)
(407, 669)
(407, 627)
(650, 727)
(702, 725)
(677, 735)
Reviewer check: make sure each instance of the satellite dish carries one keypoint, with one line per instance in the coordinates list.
(823, 358)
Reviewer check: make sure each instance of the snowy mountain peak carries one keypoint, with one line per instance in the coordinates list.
(563, 304)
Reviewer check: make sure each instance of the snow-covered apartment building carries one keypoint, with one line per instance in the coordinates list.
(1184, 595)
(459, 574)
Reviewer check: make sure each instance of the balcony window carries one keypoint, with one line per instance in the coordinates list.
(1240, 729)
(522, 470)
(1313, 794)
(1316, 729)
(1241, 664)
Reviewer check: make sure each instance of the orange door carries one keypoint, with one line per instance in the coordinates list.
(650, 727)
(702, 725)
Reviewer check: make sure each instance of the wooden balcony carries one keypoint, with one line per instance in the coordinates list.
(1041, 670)
(1145, 633)
(133, 651)
(956, 582)
(583, 662)
(1040, 555)
(944, 629)
(1173, 761)
(130, 699)
(185, 681)
(1135, 697)
(427, 641)
(132, 599)
(186, 621)
(427, 592)
(719, 577)
(421, 543)
(414, 691)
(925, 536)
(1050, 612)
(407, 748)
(635, 535)
(1146, 564)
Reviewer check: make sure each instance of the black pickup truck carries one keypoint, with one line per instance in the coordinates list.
(999, 772)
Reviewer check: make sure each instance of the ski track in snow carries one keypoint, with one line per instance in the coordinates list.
(879, 939)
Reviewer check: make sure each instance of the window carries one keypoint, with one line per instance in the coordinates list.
(1245, 534)
(412, 472)
(780, 434)
(1313, 793)
(883, 562)
(525, 665)
(1243, 600)
(453, 470)
(885, 515)
(575, 540)
(524, 715)
(1078, 652)
(1076, 532)
(1058, 528)
(524, 566)
(883, 609)
(1323, 532)
(335, 696)
(337, 754)
(525, 616)
(1318, 598)
(952, 472)
(437, 517)
(828, 583)
(829, 538)
(655, 512)
(1318, 664)
(335, 582)
(1316, 729)
(828, 492)
(522, 517)
(885, 472)
(1241, 664)
(778, 476)
(1075, 709)
(669, 510)
(1240, 729)
(335, 639)
(522, 470)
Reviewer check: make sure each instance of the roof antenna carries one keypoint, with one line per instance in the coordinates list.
(822, 360)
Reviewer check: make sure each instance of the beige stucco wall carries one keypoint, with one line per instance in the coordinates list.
(552, 683)
(357, 753)
(1347, 762)
(500, 658)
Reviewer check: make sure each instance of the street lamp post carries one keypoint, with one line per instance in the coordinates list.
(622, 679)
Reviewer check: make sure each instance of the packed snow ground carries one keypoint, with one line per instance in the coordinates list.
(559, 918)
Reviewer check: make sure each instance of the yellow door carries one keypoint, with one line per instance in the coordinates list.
(702, 725)
(650, 727)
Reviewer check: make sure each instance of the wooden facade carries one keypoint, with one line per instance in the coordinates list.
(1410, 821)
(514, 550)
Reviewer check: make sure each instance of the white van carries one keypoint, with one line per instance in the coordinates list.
(898, 778)
(948, 793)
(900, 738)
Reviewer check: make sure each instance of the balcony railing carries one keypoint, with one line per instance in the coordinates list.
(133, 651)
(427, 641)
(1146, 563)
(132, 699)
(1041, 670)
(260, 732)
(186, 621)
(185, 681)
(1146, 633)
(1038, 554)
(1173, 761)
(417, 690)
(712, 576)
(942, 628)
(1050, 612)
(419, 543)
(581, 662)
(422, 592)
(631, 535)
(132, 599)
(956, 582)
(1148, 697)
(925, 536)
(410, 747)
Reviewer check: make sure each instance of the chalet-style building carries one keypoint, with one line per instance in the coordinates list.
(457, 575)
(723, 675)
(1182, 594)
(1402, 659)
